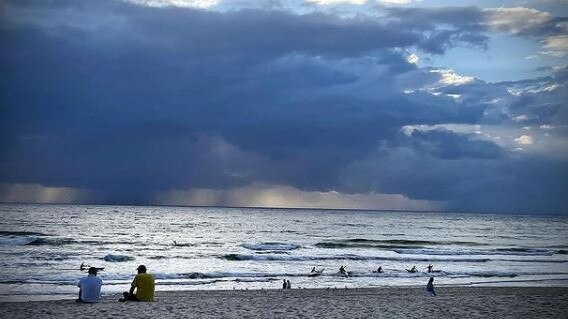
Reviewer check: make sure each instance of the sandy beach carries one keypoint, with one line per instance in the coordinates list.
(451, 302)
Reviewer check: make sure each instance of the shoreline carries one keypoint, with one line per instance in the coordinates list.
(531, 283)
(397, 302)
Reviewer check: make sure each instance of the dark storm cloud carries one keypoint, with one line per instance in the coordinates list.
(526, 184)
(542, 100)
(449, 145)
(451, 26)
(127, 101)
(459, 25)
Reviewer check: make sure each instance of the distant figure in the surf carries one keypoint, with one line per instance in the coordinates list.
(430, 268)
(380, 269)
(413, 269)
(430, 287)
(315, 272)
(175, 243)
(90, 287)
(284, 284)
(342, 270)
(288, 284)
(83, 266)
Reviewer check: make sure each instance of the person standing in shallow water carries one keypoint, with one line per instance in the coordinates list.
(430, 287)
(284, 284)
(288, 284)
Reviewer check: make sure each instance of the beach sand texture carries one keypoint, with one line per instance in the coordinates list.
(451, 302)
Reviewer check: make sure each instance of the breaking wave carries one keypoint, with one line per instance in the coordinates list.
(241, 257)
(472, 252)
(19, 238)
(390, 243)
(117, 258)
(270, 246)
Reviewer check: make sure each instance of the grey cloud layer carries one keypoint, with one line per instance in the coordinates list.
(129, 101)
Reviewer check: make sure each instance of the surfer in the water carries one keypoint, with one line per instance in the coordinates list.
(380, 269)
(413, 269)
(87, 267)
(313, 269)
(430, 267)
(342, 270)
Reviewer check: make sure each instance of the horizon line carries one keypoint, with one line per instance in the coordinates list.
(306, 208)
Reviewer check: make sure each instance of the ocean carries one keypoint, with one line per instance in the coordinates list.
(43, 246)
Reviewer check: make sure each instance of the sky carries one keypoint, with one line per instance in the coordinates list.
(362, 104)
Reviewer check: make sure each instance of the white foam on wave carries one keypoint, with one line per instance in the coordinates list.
(16, 240)
(271, 257)
(474, 252)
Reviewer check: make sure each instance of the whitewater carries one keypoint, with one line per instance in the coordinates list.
(42, 247)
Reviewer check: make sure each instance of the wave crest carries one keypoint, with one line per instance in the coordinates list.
(270, 246)
(390, 243)
(117, 258)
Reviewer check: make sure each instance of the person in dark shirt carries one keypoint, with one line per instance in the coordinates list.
(430, 287)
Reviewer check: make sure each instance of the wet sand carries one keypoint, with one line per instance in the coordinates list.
(451, 302)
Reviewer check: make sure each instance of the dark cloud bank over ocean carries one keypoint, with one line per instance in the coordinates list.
(128, 101)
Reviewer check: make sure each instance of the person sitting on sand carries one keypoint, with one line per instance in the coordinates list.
(144, 285)
(430, 287)
(90, 287)
(430, 267)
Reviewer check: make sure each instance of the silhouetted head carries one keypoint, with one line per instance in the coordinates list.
(141, 269)
(93, 271)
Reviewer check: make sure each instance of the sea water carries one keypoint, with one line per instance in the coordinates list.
(42, 247)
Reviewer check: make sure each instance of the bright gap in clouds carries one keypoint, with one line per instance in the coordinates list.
(36, 193)
(507, 59)
(277, 196)
(203, 4)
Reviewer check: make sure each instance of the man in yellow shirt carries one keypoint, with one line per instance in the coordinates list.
(144, 285)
